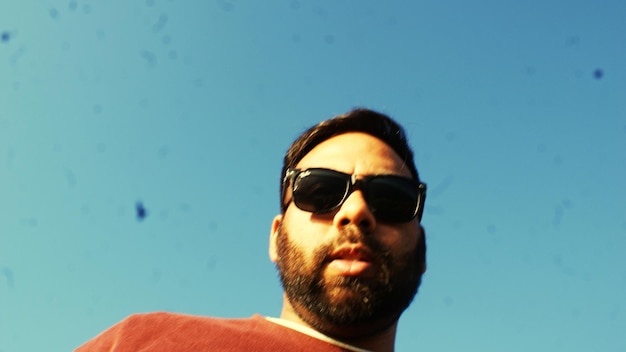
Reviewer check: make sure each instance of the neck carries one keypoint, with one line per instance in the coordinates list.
(381, 340)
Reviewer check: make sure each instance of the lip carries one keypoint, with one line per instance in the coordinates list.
(351, 261)
(357, 252)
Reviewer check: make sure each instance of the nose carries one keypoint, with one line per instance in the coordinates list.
(354, 211)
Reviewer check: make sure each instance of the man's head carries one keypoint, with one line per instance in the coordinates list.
(358, 120)
(348, 245)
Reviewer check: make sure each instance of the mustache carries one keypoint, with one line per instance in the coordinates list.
(355, 236)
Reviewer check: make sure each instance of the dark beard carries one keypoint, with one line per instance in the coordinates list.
(347, 302)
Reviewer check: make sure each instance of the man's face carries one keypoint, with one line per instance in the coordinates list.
(344, 272)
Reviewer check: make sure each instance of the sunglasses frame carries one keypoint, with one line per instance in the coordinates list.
(353, 182)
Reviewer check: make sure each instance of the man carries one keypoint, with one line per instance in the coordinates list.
(348, 245)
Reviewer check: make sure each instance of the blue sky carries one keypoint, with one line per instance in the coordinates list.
(516, 111)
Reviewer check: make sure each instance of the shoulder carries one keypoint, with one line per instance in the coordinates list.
(164, 326)
(180, 332)
(154, 332)
(175, 323)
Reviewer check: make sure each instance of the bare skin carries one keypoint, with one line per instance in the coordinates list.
(360, 154)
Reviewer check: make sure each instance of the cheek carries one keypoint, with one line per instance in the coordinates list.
(303, 243)
(294, 262)
(401, 239)
(303, 232)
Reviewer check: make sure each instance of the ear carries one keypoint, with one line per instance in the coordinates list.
(273, 250)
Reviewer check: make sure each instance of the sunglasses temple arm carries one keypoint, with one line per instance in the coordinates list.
(420, 209)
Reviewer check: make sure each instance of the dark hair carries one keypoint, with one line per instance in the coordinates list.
(367, 121)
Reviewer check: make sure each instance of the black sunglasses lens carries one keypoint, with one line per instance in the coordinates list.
(317, 191)
(392, 199)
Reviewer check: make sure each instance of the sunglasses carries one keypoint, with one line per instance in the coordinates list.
(390, 198)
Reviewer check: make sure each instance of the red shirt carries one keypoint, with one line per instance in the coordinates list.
(186, 333)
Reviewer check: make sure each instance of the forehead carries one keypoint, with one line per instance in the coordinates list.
(355, 153)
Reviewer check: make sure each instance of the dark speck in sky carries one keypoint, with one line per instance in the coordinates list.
(161, 22)
(5, 36)
(8, 275)
(163, 151)
(149, 57)
(54, 13)
(87, 8)
(598, 73)
(70, 177)
(141, 211)
(225, 5)
(320, 11)
(573, 40)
